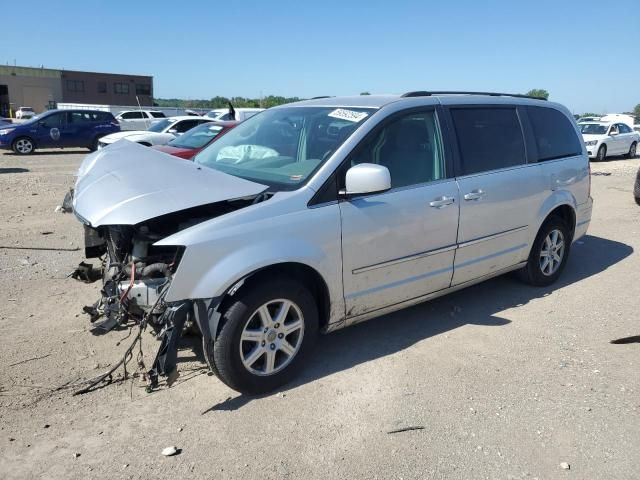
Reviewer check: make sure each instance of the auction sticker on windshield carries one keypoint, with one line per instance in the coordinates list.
(349, 115)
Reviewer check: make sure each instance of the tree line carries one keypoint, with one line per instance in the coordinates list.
(274, 100)
(222, 102)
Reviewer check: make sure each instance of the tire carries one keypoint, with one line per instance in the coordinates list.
(94, 144)
(23, 146)
(632, 150)
(244, 365)
(602, 153)
(636, 188)
(537, 272)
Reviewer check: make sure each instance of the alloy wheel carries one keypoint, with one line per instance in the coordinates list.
(552, 252)
(24, 146)
(272, 337)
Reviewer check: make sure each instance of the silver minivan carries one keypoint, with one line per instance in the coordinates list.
(320, 214)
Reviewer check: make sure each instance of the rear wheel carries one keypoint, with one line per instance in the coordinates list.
(549, 253)
(23, 146)
(94, 144)
(267, 333)
(632, 150)
(602, 153)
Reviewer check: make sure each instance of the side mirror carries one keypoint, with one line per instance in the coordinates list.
(613, 134)
(367, 178)
(173, 130)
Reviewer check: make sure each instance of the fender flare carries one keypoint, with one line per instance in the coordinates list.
(557, 199)
(218, 279)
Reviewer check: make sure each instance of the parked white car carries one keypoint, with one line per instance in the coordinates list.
(138, 119)
(24, 113)
(604, 139)
(241, 114)
(160, 133)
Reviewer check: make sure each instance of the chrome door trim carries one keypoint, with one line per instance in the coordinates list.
(428, 253)
(348, 321)
(404, 259)
(491, 237)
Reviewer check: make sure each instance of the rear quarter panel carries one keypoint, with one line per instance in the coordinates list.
(567, 183)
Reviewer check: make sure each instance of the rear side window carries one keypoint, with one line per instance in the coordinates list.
(79, 117)
(555, 135)
(157, 114)
(488, 139)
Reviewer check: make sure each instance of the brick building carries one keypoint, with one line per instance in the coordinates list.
(42, 88)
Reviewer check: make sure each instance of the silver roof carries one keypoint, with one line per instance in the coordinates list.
(378, 101)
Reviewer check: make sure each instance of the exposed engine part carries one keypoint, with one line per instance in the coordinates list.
(154, 270)
(136, 275)
(139, 250)
(143, 293)
(108, 307)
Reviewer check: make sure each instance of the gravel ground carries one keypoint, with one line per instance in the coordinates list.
(503, 380)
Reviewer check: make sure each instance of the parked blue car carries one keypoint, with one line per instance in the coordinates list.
(58, 129)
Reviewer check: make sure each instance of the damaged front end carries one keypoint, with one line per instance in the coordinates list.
(129, 198)
(135, 274)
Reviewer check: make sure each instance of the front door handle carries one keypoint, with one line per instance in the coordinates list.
(474, 195)
(441, 202)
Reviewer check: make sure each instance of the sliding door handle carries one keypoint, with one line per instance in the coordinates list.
(474, 195)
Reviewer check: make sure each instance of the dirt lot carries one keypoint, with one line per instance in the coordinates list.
(506, 381)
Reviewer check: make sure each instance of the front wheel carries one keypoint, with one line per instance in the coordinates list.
(632, 150)
(267, 333)
(23, 146)
(602, 153)
(549, 253)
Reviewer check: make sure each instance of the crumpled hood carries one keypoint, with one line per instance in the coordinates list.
(128, 183)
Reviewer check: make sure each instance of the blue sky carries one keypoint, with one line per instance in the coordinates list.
(585, 54)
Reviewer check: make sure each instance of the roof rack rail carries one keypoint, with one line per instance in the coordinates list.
(423, 93)
(321, 96)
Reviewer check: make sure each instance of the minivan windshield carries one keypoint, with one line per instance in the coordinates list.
(282, 147)
(593, 128)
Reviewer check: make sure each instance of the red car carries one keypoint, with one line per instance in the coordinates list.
(191, 142)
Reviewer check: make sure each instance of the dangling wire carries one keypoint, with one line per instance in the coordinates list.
(128, 354)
